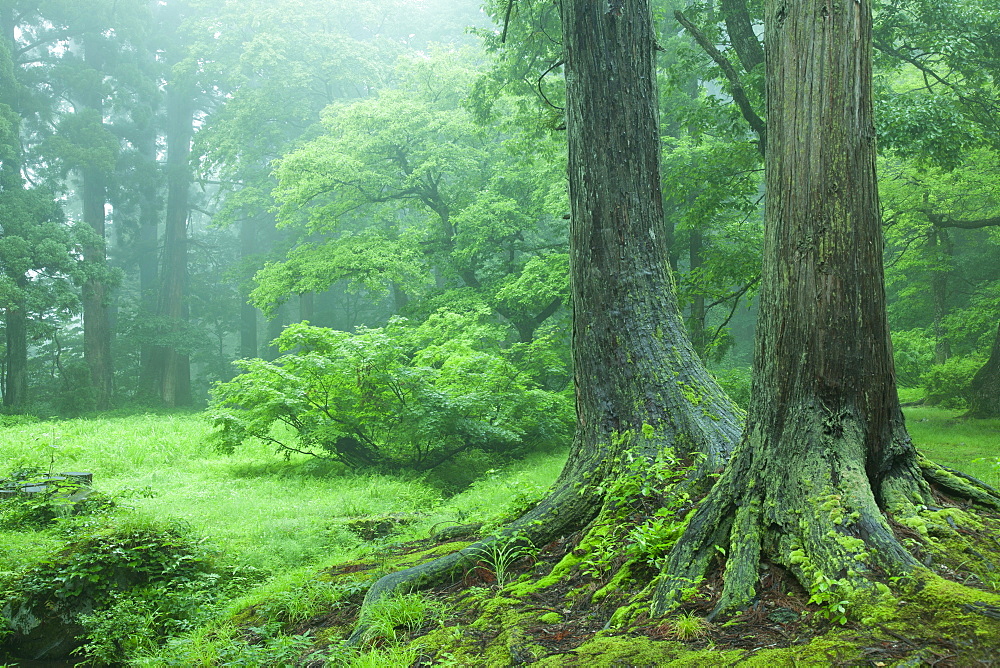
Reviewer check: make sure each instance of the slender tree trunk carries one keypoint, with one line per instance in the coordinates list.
(274, 328)
(15, 368)
(97, 331)
(170, 363)
(741, 33)
(147, 256)
(825, 451)
(697, 320)
(985, 401)
(15, 393)
(96, 314)
(940, 249)
(307, 306)
(248, 313)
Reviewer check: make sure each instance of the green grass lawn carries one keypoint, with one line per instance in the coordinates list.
(260, 510)
(254, 507)
(971, 446)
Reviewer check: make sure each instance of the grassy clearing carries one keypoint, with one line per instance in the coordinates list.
(261, 511)
(971, 446)
(283, 521)
(256, 509)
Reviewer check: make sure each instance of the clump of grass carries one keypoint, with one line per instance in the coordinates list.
(502, 554)
(688, 626)
(404, 611)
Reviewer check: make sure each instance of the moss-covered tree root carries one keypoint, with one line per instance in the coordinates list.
(825, 519)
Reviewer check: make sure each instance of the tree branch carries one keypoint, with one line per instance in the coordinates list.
(941, 220)
(736, 86)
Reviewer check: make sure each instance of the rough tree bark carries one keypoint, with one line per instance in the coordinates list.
(825, 456)
(640, 388)
(985, 390)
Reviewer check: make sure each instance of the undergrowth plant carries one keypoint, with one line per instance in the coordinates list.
(397, 397)
(688, 626)
(402, 611)
(650, 505)
(500, 555)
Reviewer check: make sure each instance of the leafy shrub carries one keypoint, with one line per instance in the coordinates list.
(913, 352)
(138, 621)
(948, 384)
(401, 396)
(62, 498)
(99, 564)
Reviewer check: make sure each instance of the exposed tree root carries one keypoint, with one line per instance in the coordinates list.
(580, 495)
(825, 520)
(569, 508)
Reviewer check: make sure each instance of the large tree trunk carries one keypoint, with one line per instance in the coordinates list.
(985, 400)
(641, 391)
(825, 453)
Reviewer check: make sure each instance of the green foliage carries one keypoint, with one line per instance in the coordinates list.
(913, 352)
(650, 507)
(137, 621)
(393, 397)
(404, 192)
(948, 384)
(831, 597)
(736, 382)
(98, 562)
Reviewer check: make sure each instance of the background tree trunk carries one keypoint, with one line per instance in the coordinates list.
(248, 313)
(15, 389)
(985, 402)
(97, 331)
(169, 362)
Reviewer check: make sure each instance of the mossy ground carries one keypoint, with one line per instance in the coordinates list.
(944, 616)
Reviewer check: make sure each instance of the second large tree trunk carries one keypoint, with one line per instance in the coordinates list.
(825, 454)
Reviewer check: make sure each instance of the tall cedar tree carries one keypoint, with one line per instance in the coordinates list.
(641, 391)
(825, 459)
(97, 328)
